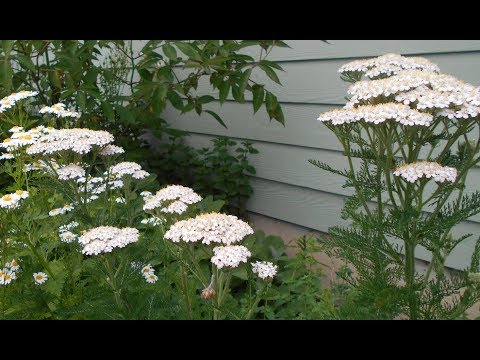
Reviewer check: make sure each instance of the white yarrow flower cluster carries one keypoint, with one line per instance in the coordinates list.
(40, 278)
(388, 64)
(413, 172)
(110, 150)
(264, 269)
(70, 172)
(230, 256)
(59, 110)
(209, 228)
(171, 199)
(377, 114)
(65, 233)
(9, 101)
(80, 141)
(12, 200)
(104, 239)
(128, 168)
(148, 272)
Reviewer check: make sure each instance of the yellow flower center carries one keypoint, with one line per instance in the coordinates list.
(1, 273)
(39, 277)
(7, 140)
(7, 277)
(25, 137)
(14, 263)
(146, 270)
(7, 198)
(19, 192)
(37, 164)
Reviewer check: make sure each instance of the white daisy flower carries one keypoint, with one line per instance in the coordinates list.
(40, 278)
(151, 279)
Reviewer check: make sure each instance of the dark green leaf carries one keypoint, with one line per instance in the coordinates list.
(170, 51)
(244, 80)
(188, 50)
(108, 110)
(258, 96)
(81, 100)
(175, 99)
(270, 73)
(205, 99)
(26, 62)
(218, 118)
(224, 89)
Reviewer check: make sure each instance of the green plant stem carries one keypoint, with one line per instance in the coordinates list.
(410, 278)
(188, 304)
(258, 297)
(112, 280)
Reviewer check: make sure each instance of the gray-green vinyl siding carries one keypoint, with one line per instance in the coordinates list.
(286, 186)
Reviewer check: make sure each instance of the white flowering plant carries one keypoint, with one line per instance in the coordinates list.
(84, 237)
(410, 137)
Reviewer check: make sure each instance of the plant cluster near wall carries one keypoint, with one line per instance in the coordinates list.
(222, 170)
(407, 132)
(116, 87)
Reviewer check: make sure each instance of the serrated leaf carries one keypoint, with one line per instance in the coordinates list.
(224, 89)
(218, 118)
(244, 81)
(270, 73)
(258, 96)
(175, 99)
(170, 51)
(26, 62)
(108, 110)
(188, 50)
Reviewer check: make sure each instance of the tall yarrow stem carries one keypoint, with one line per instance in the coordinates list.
(406, 134)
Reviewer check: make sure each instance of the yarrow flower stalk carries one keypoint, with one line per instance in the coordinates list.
(406, 133)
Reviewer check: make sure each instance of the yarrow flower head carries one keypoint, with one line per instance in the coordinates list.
(230, 256)
(80, 141)
(388, 64)
(70, 172)
(209, 228)
(171, 199)
(414, 171)
(264, 269)
(110, 150)
(40, 278)
(128, 168)
(59, 110)
(377, 114)
(104, 239)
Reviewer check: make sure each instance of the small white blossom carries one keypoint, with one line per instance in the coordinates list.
(40, 278)
(230, 256)
(70, 172)
(104, 239)
(209, 228)
(264, 269)
(120, 200)
(111, 150)
(414, 171)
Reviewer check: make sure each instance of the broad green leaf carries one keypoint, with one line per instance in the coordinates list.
(270, 102)
(108, 110)
(170, 51)
(244, 80)
(7, 46)
(258, 96)
(218, 118)
(205, 99)
(270, 73)
(81, 100)
(175, 99)
(224, 89)
(188, 50)
(272, 64)
(26, 62)
(237, 95)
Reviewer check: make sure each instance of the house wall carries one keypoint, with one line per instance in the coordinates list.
(286, 187)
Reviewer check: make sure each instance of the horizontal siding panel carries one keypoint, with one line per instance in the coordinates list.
(316, 210)
(318, 50)
(318, 82)
(289, 164)
(301, 127)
